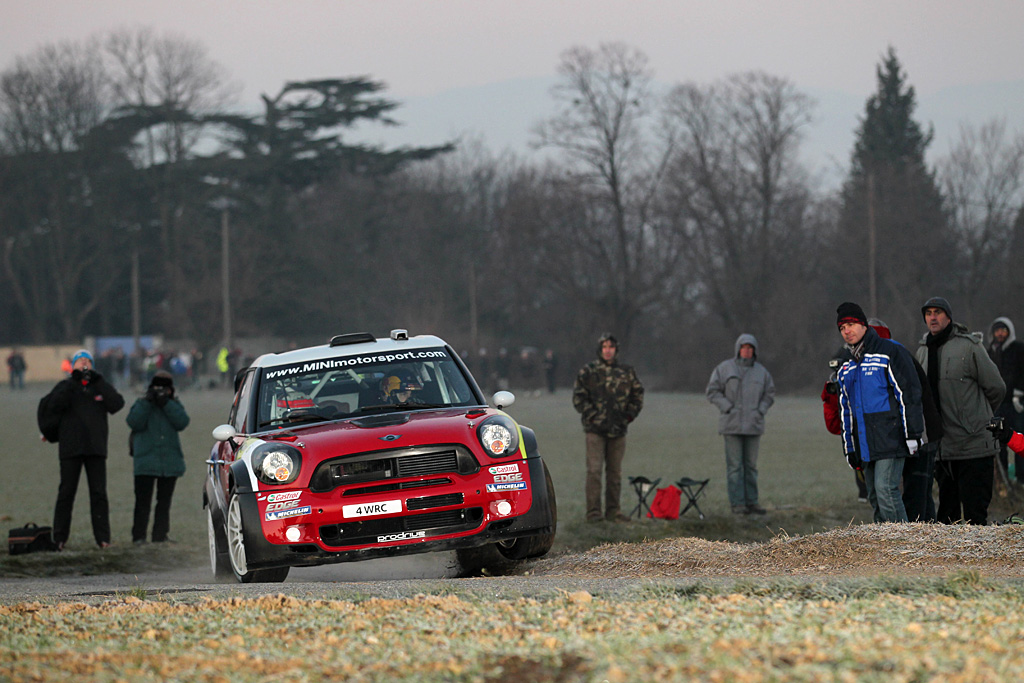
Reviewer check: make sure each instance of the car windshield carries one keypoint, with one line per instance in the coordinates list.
(333, 388)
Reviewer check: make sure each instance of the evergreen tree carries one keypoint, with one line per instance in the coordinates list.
(894, 247)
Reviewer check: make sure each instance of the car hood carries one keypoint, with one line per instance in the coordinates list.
(386, 431)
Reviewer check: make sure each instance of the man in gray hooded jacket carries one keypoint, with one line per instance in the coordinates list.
(743, 391)
(967, 387)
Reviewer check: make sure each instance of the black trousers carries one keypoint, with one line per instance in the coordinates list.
(965, 489)
(918, 474)
(99, 507)
(161, 516)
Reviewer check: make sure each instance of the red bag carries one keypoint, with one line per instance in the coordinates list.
(666, 503)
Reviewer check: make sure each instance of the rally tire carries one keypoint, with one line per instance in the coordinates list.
(220, 565)
(236, 549)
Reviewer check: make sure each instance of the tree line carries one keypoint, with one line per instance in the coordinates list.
(676, 219)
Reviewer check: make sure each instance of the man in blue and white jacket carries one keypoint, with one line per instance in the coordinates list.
(880, 410)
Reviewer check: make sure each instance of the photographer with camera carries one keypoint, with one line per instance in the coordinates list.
(830, 408)
(80, 404)
(155, 421)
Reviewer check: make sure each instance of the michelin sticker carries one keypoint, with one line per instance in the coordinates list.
(495, 488)
(281, 514)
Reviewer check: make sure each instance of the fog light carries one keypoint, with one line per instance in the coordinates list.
(293, 533)
(503, 508)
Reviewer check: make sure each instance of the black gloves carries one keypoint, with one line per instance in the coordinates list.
(854, 461)
(1000, 430)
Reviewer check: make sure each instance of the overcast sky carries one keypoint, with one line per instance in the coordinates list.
(425, 48)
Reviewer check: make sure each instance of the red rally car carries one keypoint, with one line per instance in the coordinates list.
(366, 448)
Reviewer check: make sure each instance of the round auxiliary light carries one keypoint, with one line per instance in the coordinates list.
(277, 466)
(293, 533)
(503, 507)
(496, 438)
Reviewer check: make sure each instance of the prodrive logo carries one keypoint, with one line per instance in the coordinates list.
(403, 536)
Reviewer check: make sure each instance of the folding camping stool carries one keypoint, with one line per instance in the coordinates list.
(692, 488)
(644, 487)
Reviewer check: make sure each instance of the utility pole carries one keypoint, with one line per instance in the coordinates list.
(872, 283)
(225, 274)
(136, 308)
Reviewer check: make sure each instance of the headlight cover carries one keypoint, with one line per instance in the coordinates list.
(276, 463)
(499, 436)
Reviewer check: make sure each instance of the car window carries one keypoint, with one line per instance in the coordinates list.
(333, 388)
(240, 408)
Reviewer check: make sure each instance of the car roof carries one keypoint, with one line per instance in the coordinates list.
(381, 345)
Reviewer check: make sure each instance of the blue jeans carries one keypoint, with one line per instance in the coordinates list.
(741, 468)
(883, 481)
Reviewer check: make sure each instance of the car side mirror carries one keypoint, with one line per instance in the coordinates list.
(503, 399)
(224, 432)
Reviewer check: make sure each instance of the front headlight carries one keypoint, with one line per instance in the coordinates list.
(499, 436)
(276, 463)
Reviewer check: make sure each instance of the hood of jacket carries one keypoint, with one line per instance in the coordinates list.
(744, 339)
(1009, 325)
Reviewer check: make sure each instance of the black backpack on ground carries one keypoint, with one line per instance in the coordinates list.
(29, 539)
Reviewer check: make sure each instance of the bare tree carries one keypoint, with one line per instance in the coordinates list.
(611, 253)
(983, 179)
(58, 215)
(172, 79)
(737, 192)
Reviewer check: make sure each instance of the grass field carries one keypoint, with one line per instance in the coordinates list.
(964, 625)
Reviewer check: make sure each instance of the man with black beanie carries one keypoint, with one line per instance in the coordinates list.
(967, 387)
(881, 412)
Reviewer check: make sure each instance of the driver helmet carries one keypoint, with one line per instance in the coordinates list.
(399, 381)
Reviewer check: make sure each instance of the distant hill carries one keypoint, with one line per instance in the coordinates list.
(502, 114)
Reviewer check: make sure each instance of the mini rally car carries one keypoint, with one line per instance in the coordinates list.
(366, 448)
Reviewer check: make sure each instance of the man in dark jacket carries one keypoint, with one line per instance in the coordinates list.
(880, 410)
(155, 421)
(83, 401)
(967, 387)
(1007, 352)
(608, 395)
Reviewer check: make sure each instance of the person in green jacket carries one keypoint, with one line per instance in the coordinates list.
(155, 421)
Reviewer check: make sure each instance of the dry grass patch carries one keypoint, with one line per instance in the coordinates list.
(851, 551)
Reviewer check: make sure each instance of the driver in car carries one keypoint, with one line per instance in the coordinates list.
(398, 388)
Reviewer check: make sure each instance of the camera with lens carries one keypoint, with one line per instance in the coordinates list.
(832, 385)
(996, 425)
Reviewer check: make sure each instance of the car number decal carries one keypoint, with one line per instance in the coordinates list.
(384, 507)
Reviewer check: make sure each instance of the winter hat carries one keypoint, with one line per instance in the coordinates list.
(849, 312)
(938, 302)
(999, 324)
(81, 353)
(162, 378)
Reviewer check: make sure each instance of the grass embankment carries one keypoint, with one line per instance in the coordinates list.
(960, 628)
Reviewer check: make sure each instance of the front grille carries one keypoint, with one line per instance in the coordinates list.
(392, 464)
(428, 463)
(398, 486)
(434, 523)
(427, 502)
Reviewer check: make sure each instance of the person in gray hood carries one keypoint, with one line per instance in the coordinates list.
(743, 391)
(1007, 352)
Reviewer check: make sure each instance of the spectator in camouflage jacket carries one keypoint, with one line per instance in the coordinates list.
(608, 395)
